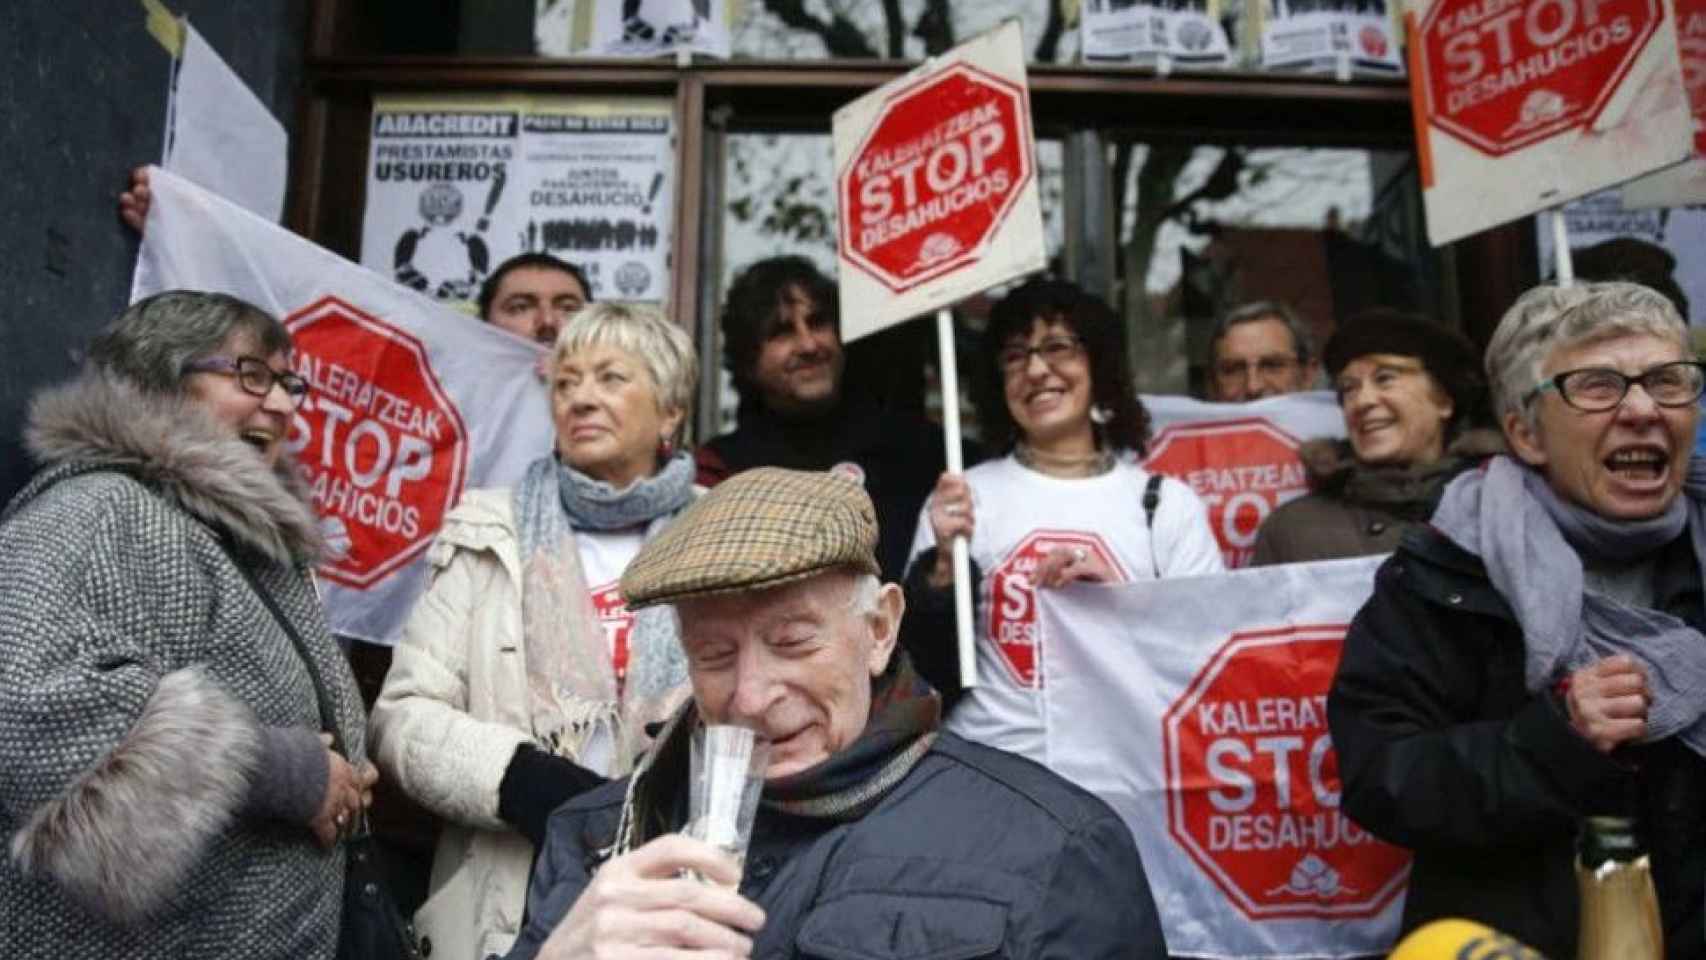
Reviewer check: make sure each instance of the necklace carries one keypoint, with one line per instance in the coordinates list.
(1065, 465)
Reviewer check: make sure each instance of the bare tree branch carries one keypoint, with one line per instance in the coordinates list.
(1121, 175)
(840, 36)
(1222, 183)
(935, 27)
(1048, 45)
(894, 26)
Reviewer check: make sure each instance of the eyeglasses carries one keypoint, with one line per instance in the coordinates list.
(1055, 351)
(253, 375)
(1268, 368)
(1598, 389)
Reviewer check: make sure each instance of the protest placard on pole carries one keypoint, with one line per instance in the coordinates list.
(1521, 105)
(1684, 183)
(1666, 244)
(936, 190)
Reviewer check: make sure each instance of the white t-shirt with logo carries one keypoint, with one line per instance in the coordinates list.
(604, 554)
(1021, 515)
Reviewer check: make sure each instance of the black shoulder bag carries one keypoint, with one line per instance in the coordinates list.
(371, 928)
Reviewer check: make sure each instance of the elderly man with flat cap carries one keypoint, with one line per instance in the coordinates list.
(878, 834)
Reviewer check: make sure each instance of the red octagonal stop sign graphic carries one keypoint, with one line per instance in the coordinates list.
(935, 175)
(1253, 782)
(383, 449)
(1503, 74)
(1012, 619)
(1242, 469)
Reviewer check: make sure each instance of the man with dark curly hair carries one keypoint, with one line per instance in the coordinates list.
(782, 346)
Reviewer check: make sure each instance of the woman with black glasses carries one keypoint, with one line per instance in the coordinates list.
(168, 686)
(1537, 653)
(1068, 502)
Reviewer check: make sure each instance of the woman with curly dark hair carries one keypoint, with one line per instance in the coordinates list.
(1068, 502)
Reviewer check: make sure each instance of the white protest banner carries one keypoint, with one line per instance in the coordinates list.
(410, 402)
(1184, 32)
(599, 191)
(1684, 183)
(1344, 37)
(1522, 105)
(1197, 709)
(1241, 458)
(936, 185)
(459, 184)
(219, 135)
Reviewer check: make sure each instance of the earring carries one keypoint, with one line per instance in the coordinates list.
(1101, 416)
(666, 448)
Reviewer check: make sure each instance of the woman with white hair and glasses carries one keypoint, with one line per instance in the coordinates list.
(1536, 655)
(521, 679)
(168, 675)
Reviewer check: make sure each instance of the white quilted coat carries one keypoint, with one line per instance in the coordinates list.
(452, 712)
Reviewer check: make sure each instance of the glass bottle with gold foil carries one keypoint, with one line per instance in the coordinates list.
(1620, 907)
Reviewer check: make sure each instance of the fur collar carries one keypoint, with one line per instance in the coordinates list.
(1330, 464)
(101, 422)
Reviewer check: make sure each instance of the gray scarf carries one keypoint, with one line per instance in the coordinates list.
(571, 683)
(554, 497)
(1532, 545)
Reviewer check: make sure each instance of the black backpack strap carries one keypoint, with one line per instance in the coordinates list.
(328, 720)
(1151, 500)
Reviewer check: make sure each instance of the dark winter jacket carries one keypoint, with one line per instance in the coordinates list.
(159, 758)
(976, 853)
(900, 454)
(1354, 510)
(1442, 749)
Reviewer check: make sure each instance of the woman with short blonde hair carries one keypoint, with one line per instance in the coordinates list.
(522, 679)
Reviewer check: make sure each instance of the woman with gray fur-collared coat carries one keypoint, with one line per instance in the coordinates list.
(165, 790)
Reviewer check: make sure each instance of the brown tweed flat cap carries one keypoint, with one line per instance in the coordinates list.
(761, 528)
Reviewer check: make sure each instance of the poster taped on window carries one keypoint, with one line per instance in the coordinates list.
(457, 185)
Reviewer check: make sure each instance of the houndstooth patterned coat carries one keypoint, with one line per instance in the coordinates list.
(139, 678)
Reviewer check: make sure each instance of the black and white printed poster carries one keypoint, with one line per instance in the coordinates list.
(458, 185)
(1345, 37)
(1187, 32)
(632, 28)
(599, 192)
(439, 193)
(1680, 231)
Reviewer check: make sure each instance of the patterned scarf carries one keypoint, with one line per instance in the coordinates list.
(570, 680)
(906, 713)
(1532, 543)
